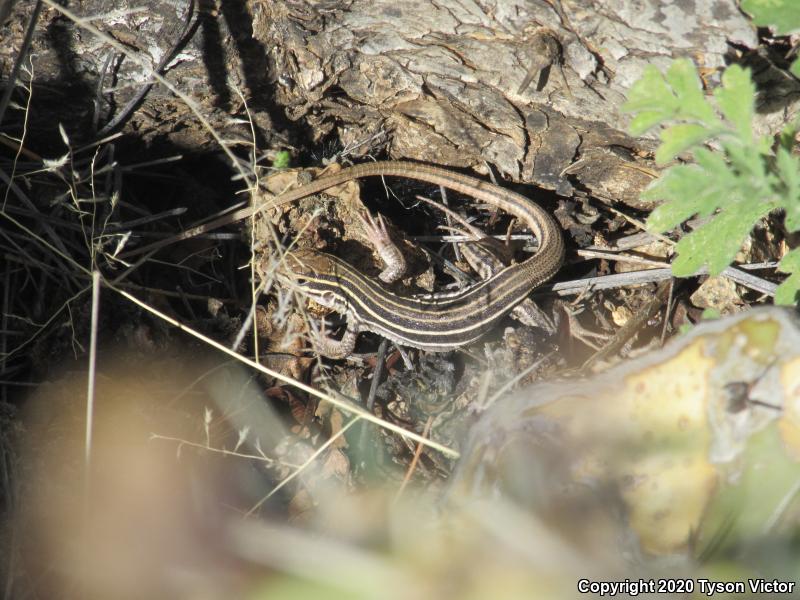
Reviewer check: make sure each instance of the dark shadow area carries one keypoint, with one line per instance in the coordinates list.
(769, 67)
(213, 54)
(68, 100)
(258, 72)
(71, 215)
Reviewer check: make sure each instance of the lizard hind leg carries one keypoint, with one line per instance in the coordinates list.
(392, 257)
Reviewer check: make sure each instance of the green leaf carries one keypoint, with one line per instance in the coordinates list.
(692, 103)
(717, 242)
(782, 15)
(788, 167)
(680, 138)
(646, 120)
(788, 293)
(684, 190)
(791, 262)
(651, 97)
(282, 159)
(715, 165)
(734, 188)
(787, 135)
(748, 162)
(657, 98)
(690, 190)
(736, 99)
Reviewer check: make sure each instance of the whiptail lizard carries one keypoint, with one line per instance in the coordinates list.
(438, 322)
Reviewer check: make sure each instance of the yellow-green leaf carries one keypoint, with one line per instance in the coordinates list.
(680, 138)
(736, 99)
(782, 15)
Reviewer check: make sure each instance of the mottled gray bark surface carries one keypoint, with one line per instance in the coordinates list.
(445, 78)
(531, 88)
